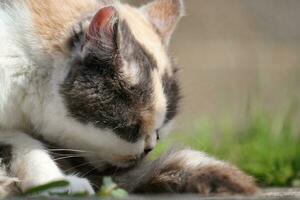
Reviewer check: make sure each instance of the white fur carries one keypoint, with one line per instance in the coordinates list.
(131, 73)
(79, 185)
(193, 159)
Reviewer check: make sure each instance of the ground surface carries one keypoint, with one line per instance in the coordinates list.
(284, 194)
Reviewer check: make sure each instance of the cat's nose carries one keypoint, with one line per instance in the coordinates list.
(147, 150)
(150, 143)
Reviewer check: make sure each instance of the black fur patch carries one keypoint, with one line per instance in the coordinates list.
(5, 154)
(96, 92)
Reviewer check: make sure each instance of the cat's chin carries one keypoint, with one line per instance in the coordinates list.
(122, 165)
(119, 162)
(107, 166)
(126, 166)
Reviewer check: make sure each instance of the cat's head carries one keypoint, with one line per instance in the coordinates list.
(122, 85)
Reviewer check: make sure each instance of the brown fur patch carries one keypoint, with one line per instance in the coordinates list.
(220, 180)
(52, 19)
(147, 121)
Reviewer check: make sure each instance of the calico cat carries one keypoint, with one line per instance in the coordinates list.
(95, 78)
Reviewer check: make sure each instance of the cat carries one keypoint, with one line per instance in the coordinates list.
(95, 79)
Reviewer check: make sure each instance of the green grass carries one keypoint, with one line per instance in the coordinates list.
(267, 147)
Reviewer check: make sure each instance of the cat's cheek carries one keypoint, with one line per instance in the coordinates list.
(125, 161)
(117, 156)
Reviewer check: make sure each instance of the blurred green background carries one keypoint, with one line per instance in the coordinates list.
(240, 73)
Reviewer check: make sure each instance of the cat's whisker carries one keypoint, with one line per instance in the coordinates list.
(67, 157)
(89, 171)
(72, 150)
(74, 167)
(63, 154)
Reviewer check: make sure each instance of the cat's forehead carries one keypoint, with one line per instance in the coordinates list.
(146, 35)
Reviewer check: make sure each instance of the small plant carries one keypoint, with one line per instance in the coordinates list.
(57, 188)
(36, 191)
(111, 189)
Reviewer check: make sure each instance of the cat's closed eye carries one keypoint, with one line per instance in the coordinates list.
(157, 135)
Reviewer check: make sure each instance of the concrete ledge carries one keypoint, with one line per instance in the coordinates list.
(269, 194)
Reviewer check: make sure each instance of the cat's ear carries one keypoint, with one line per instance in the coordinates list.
(102, 25)
(101, 37)
(164, 15)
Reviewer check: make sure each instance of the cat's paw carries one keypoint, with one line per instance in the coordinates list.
(79, 185)
(220, 179)
(8, 186)
(74, 186)
(202, 174)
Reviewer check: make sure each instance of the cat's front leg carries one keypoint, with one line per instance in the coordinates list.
(187, 171)
(28, 161)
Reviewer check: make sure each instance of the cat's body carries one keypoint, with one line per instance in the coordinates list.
(93, 78)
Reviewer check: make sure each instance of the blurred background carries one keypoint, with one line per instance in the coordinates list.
(240, 74)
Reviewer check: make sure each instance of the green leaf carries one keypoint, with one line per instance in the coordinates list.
(48, 186)
(119, 193)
